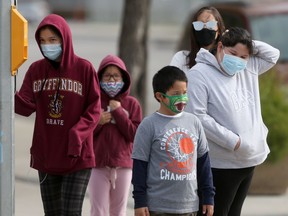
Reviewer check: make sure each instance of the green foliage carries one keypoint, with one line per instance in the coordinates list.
(274, 103)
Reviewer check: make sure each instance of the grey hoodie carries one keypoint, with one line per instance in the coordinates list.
(229, 107)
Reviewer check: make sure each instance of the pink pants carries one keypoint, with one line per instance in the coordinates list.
(108, 191)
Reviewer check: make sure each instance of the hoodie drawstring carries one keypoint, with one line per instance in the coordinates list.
(113, 175)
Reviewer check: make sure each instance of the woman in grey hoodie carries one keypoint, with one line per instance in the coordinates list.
(223, 91)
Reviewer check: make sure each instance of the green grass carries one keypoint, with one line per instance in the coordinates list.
(274, 103)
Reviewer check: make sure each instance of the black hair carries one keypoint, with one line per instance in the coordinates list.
(165, 78)
(52, 28)
(235, 35)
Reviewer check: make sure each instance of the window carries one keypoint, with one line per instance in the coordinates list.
(273, 30)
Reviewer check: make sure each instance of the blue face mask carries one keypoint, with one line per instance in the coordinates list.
(51, 51)
(232, 64)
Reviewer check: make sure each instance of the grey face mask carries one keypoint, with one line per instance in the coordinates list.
(51, 51)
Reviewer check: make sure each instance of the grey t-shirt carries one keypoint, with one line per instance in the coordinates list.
(171, 146)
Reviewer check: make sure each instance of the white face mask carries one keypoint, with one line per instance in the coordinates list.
(51, 51)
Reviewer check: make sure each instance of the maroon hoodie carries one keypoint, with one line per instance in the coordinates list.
(66, 99)
(113, 141)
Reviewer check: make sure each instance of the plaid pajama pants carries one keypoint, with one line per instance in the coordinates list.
(63, 195)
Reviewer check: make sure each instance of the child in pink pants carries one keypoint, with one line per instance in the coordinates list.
(121, 114)
(109, 191)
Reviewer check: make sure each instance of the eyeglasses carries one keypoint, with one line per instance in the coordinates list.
(199, 25)
(107, 77)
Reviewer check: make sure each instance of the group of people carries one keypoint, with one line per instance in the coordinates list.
(84, 126)
(195, 155)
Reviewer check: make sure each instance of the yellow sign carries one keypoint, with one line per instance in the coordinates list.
(19, 40)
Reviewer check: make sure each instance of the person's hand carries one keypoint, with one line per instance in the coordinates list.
(208, 210)
(142, 211)
(105, 117)
(237, 145)
(114, 104)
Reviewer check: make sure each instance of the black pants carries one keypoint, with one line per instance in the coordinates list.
(167, 214)
(231, 190)
(63, 195)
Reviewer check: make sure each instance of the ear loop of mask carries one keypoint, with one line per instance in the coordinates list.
(164, 96)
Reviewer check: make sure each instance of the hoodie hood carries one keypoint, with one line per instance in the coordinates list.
(116, 61)
(68, 56)
(206, 57)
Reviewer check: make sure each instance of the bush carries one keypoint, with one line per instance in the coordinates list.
(274, 103)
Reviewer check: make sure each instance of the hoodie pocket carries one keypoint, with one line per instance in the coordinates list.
(246, 150)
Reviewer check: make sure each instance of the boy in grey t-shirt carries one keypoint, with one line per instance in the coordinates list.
(170, 154)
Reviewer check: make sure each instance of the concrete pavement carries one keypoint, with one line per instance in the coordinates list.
(102, 38)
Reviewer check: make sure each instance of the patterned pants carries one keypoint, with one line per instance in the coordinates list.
(63, 195)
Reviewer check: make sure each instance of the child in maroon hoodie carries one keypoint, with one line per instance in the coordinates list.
(121, 114)
(63, 90)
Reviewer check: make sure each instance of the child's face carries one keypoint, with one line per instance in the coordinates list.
(50, 44)
(47, 36)
(111, 81)
(112, 74)
(239, 50)
(175, 100)
(234, 59)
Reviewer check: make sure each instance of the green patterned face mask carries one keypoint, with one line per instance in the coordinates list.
(177, 103)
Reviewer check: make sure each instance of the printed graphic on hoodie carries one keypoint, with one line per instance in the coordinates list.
(180, 146)
(52, 84)
(55, 105)
(242, 99)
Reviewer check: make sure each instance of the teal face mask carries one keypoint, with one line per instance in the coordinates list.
(177, 103)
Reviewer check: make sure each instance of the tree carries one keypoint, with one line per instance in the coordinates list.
(133, 45)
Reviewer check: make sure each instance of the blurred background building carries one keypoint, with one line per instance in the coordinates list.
(162, 11)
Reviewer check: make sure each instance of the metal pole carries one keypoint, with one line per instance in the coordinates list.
(7, 191)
